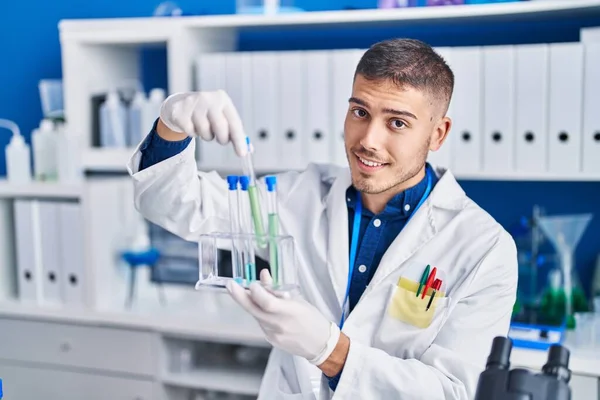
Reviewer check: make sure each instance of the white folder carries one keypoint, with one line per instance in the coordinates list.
(565, 110)
(238, 86)
(498, 109)
(318, 137)
(467, 110)
(210, 77)
(72, 254)
(292, 100)
(265, 110)
(443, 156)
(28, 251)
(591, 110)
(531, 124)
(344, 62)
(50, 251)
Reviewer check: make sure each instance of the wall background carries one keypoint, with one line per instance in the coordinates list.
(31, 51)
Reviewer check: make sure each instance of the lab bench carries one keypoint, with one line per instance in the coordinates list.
(73, 354)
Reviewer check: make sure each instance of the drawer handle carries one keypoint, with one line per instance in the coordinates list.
(65, 347)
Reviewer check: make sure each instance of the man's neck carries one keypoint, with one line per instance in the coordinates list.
(377, 202)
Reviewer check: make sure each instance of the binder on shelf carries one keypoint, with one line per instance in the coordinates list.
(28, 251)
(565, 110)
(265, 110)
(292, 100)
(591, 110)
(443, 156)
(50, 251)
(531, 110)
(498, 108)
(238, 86)
(210, 76)
(344, 62)
(72, 253)
(318, 137)
(467, 110)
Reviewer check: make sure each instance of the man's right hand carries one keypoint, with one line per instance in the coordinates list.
(207, 115)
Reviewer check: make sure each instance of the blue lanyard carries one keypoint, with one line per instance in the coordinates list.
(355, 231)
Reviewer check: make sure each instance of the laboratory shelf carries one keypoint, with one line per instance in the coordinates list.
(144, 30)
(40, 190)
(106, 159)
(229, 379)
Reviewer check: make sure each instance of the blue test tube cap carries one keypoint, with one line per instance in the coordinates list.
(1, 389)
(232, 181)
(244, 182)
(271, 181)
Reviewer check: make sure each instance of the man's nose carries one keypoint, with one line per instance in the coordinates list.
(373, 137)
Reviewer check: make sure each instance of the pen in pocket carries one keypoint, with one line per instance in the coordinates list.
(437, 284)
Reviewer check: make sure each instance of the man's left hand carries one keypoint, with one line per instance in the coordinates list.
(291, 324)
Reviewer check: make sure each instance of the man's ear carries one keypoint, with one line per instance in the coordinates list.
(440, 133)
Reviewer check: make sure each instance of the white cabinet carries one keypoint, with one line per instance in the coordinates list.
(29, 383)
(109, 349)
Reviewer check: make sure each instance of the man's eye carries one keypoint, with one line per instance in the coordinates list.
(359, 113)
(398, 124)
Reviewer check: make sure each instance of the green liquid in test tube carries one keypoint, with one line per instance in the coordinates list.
(246, 222)
(271, 182)
(255, 209)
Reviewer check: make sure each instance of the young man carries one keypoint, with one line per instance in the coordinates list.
(366, 238)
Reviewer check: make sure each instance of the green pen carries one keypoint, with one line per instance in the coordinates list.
(423, 279)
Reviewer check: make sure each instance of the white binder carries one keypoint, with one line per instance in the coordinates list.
(344, 62)
(498, 109)
(265, 110)
(238, 86)
(50, 251)
(318, 137)
(531, 125)
(72, 254)
(211, 77)
(292, 100)
(443, 156)
(466, 133)
(591, 110)
(28, 251)
(565, 110)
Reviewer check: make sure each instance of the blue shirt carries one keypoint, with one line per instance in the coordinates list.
(155, 149)
(376, 234)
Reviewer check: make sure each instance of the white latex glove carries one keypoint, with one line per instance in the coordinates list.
(290, 324)
(207, 115)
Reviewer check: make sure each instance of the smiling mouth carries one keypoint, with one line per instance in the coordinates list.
(369, 165)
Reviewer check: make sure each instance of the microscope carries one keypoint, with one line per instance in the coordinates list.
(499, 382)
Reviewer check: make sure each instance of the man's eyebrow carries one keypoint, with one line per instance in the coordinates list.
(385, 110)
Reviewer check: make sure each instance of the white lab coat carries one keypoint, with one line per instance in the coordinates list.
(388, 358)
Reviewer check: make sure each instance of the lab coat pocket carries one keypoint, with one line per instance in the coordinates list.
(416, 310)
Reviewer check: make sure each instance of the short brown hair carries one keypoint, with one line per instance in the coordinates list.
(409, 62)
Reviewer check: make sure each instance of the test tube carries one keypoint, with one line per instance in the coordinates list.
(248, 258)
(234, 219)
(273, 219)
(248, 168)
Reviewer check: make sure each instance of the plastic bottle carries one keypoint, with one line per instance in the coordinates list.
(68, 154)
(44, 151)
(113, 121)
(18, 155)
(155, 99)
(135, 119)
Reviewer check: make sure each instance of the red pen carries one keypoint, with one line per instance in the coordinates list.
(430, 281)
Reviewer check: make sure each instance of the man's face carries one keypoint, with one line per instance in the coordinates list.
(388, 133)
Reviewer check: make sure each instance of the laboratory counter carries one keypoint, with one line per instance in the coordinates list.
(132, 352)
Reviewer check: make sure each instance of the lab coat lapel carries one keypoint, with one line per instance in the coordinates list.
(422, 227)
(338, 247)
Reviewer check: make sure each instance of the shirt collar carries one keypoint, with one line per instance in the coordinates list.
(402, 204)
